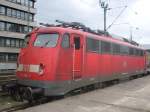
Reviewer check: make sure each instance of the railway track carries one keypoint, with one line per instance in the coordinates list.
(27, 105)
(15, 108)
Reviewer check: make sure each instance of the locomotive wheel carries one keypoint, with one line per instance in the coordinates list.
(17, 96)
(11, 92)
(27, 95)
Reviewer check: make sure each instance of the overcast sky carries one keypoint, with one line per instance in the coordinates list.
(135, 16)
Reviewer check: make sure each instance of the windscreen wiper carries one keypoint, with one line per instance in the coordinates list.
(46, 43)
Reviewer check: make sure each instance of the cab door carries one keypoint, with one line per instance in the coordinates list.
(77, 47)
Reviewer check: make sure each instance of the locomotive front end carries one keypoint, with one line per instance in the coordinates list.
(37, 63)
(37, 60)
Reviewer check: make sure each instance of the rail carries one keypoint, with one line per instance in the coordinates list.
(15, 108)
(26, 105)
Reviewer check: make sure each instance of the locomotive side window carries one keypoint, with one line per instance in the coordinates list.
(77, 43)
(116, 48)
(46, 40)
(105, 47)
(141, 53)
(138, 52)
(135, 52)
(92, 45)
(66, 41)
(124, 50)
(131, 51)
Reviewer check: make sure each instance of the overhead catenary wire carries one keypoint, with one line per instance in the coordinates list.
(117, 17)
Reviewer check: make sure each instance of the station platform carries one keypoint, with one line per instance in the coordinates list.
(130, 96)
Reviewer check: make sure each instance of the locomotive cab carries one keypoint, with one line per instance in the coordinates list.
(37, 58)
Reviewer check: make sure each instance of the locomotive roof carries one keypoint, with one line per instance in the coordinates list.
(103, 37)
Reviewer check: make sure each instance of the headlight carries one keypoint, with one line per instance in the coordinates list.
(41, 69)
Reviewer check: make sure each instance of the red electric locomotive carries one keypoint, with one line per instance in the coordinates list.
(58, 59)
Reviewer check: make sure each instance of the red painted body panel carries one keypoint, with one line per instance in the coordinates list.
(45, 57)
(64, 65)
(67, 64)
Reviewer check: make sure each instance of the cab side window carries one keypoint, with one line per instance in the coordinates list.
(66, 41)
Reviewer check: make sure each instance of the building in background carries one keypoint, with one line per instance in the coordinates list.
(16, 20)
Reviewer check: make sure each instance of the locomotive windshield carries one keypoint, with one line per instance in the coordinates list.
(46, 40)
